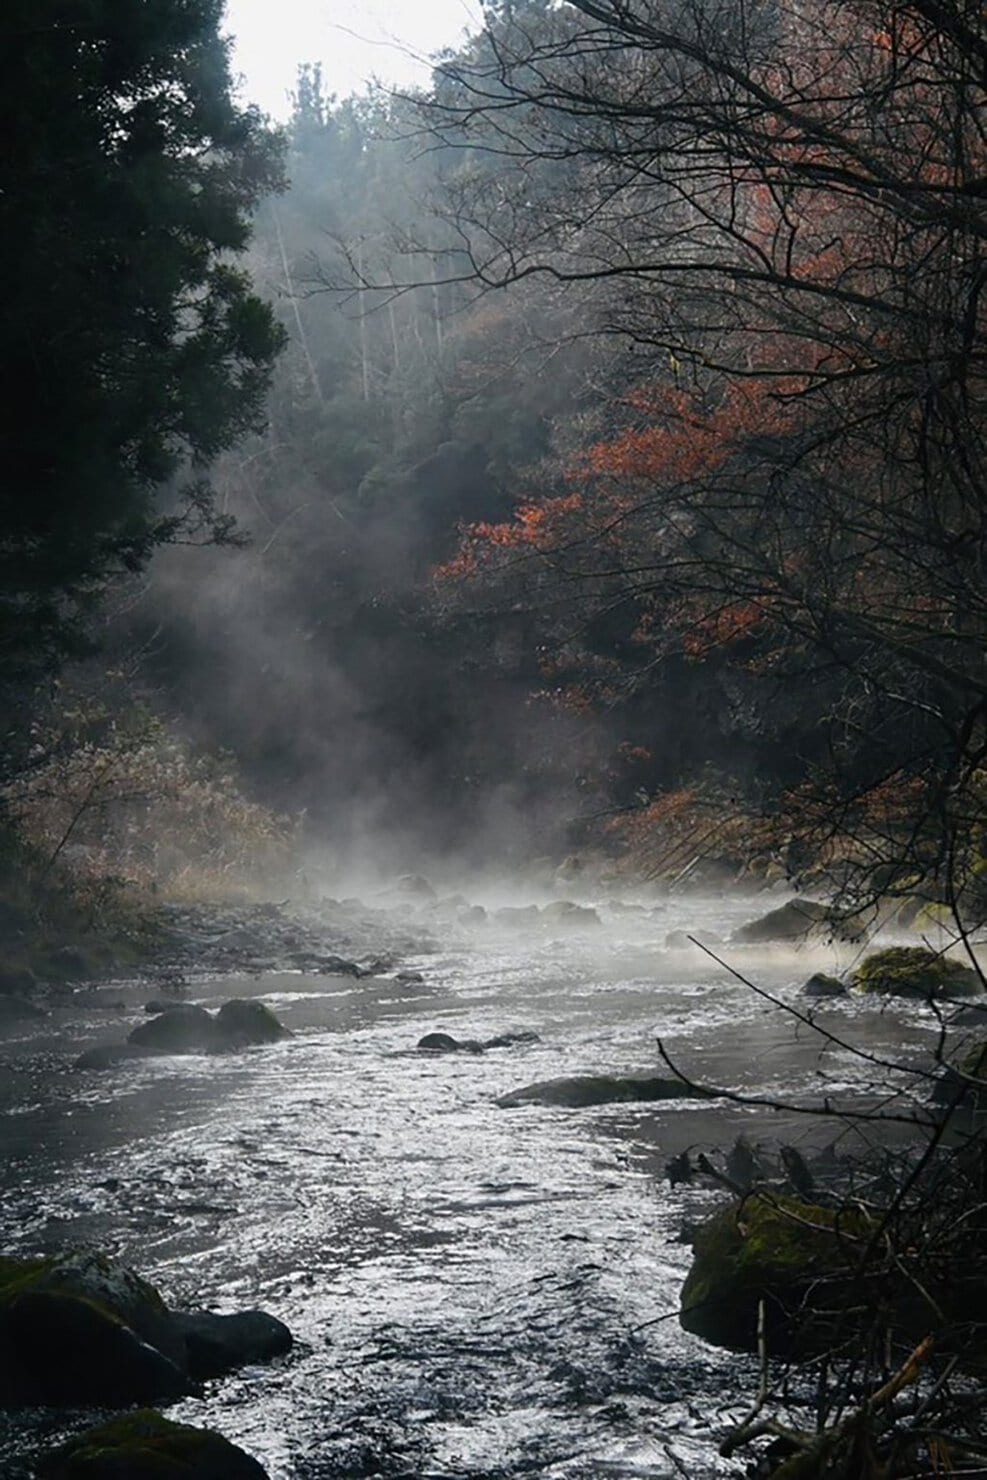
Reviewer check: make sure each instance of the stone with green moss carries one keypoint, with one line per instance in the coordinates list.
(146, 1446)
(78, 1329)
(914, 971)
(797, 1257)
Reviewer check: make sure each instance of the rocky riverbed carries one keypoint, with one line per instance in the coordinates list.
(475, 1291)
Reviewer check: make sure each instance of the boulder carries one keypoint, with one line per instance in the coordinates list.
(795, 1256)
(217, 1344)
(182, 1028)
(914, 971)
(600, 1089)
(243, 1022)
(821, 985)
(791, 922)
(445, 1043)
(185, 1028)
(77, 1329)
(409, 978)
(146, 1446)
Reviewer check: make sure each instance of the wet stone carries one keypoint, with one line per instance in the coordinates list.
(146, 1446)
(216, 1344)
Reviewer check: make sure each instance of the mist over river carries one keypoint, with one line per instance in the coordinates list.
(474, 1291)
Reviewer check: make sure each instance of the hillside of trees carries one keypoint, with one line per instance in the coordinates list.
(619, 479)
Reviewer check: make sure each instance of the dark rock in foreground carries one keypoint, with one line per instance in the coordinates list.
(601, 1089)
(218, 1344)
(146, 1446)
(798, 1258)
(77, 1329)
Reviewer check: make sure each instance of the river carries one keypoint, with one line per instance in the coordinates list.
(475, 1291)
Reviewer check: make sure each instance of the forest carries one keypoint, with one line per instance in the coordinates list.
(570, 473)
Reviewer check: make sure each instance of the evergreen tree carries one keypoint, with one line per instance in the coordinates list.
(132, 349)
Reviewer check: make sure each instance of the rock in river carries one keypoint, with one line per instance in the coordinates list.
(77, 1329)
(146, 1446)
(216, 1344)
(182, 1028)
(245, 1021)
(185, 1028)
(913, 971)
(821, 985)
(445, 1043)
(601, 1089)
(793, 921)
(798, 1258)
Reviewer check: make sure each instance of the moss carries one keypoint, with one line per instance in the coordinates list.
(913, 971)
(776, 1249)
(146, 1446)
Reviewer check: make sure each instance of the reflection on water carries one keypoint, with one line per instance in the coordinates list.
(475, 1291)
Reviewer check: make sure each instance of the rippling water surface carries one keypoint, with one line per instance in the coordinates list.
(475, 1292)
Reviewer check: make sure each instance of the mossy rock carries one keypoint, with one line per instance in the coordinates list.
(914, 971)
(78, 1329)
(797, 1257)
(146, 1446)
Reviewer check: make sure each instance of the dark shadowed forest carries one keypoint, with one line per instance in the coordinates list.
(567, 479)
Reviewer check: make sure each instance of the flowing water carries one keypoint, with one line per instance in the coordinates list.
(475, 1291)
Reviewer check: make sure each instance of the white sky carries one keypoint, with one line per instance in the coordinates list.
(353, 39)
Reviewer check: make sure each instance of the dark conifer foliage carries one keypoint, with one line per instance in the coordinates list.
(132, 349)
